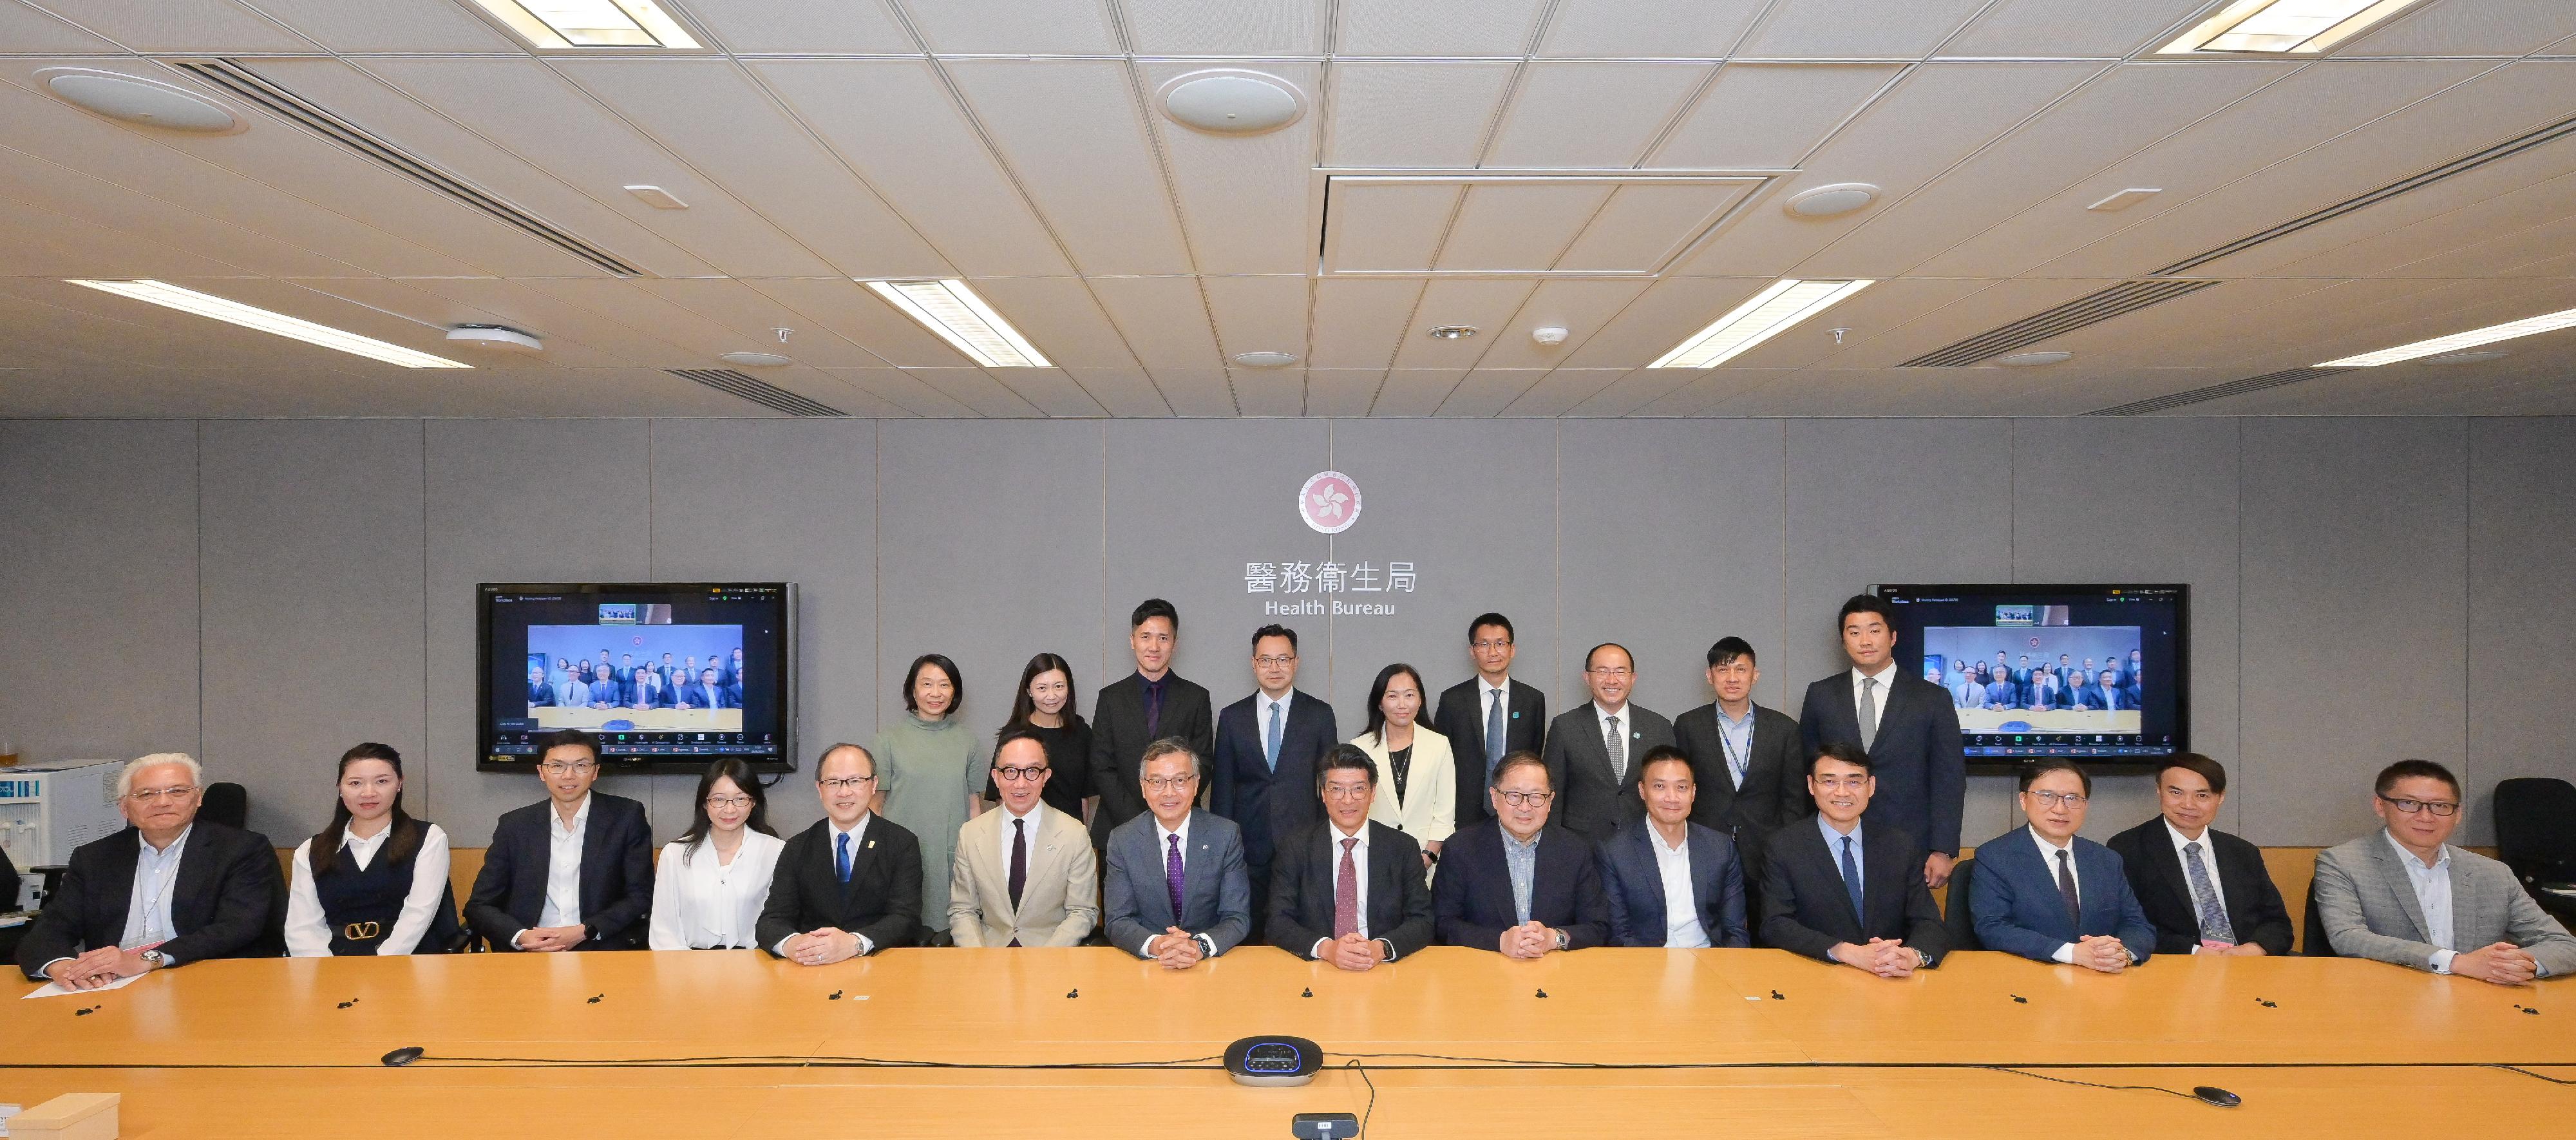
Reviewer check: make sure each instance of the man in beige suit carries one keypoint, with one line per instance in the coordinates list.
(1024, 874)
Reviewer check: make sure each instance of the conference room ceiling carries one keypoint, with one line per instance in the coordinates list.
(1615, 168)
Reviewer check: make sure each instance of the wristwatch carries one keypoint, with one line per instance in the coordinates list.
(154, 959)
(1561, 940)
(589, 933)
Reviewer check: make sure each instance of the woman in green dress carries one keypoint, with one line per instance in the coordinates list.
(930, 774)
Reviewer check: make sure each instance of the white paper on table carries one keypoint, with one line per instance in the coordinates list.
(55, 989)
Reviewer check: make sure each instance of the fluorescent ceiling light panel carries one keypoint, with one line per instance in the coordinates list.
(1767, 315)
(2283, 25)
(234, 312)
(562, 24)
(2528, 326)
(962, 319)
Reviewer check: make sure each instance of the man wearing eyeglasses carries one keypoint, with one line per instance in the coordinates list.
(2206, 891)
(1024, 875)
(850, 885)
(2045, 893)
(1595, 752)
(1264, 769)
(2407, 897)
(1515, 884)
(1349, 891)
(574, 872)
(167, 890)
(1178, 892)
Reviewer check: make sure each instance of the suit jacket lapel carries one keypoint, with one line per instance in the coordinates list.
(2176, 878)
(1198, 861)
(1703, 857)
(1888, 708)
(2393, 878)
(1500, 887)
(190, 897)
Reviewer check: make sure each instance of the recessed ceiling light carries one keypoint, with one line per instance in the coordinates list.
(139, 101)
(2283, 25)
(657, 197)
(1772, 311)
(2032, 359)
(2468, 357)
(294, 328)
(500, 337)
(1232, 102)
(1452, 332)
(2126, 198)
(2442, 345)
(754, 359)
(961, 318)
(563, 24)
(1265, 359)
(1828, 201)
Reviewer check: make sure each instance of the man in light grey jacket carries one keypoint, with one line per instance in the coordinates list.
(2404, 896)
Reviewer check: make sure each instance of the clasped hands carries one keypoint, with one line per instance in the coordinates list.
(1176, 949)
(821, 947)
(1530, 939)
(98, 967)
(1885, 957)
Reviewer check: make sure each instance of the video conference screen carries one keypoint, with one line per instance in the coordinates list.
(2092, 672)
(666, 675)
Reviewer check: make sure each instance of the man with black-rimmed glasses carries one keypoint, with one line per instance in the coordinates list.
(2405, 896)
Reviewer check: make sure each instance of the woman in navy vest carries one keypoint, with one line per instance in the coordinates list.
(375, 881)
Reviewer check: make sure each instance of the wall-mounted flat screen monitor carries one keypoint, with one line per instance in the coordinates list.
(2099, 673)
(668, 675)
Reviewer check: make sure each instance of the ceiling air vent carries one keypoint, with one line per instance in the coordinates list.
(2090, 309)
(757, 391)
(232, 76)
(2217, 391)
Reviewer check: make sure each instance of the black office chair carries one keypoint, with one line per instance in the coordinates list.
(8, 883)
(2313, 942)
(226, 804)
(1956, 917)
(2535, 822)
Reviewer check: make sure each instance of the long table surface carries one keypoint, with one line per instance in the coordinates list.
(1453, 1042)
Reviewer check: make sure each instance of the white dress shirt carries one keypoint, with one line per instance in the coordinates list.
(156, 876)
(831, 850)
(1878, 697)
(702, 903)
(1265, 706)
(2432, 886)
(2208, 862)
(1162, 856)
(1359, 864)
(2048, 857)
(1030, 824)
(1682, 927)
(563, 867)
(1627, 729)
(308, 929)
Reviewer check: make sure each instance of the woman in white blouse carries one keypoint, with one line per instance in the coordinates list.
(375, 881)
(711, 882)
(1417, 792)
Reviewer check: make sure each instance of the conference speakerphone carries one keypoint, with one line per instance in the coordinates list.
(1273, 1061)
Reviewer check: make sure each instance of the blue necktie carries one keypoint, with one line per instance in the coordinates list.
(1851, 879)
(841, 857)
(1270, 739)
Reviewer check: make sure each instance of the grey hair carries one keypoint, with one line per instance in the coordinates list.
(1167, 746)
(135, 767)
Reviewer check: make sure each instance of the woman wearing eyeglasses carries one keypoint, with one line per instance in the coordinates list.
(375, 880)
(1417, 797)
(930, 774)
(711, 881)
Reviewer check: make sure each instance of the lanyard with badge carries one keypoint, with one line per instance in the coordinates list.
(164, 879)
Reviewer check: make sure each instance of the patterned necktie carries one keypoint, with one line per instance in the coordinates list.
(1346, 893)
(1851, 879)
(1617, 745)
(841, 858)
(1494, 734)
(1270, 739)
(1868, 712)
(2066, 890)
(1019, 861)
(2204, 897)
(1153, 709)
(1172, 875)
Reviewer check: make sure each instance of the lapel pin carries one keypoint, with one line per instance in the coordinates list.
(871, 845)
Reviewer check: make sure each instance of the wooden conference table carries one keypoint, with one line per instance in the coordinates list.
(1755, 1043)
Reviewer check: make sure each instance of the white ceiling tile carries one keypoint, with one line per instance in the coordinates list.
(2468, 27)
(1856, 29)
(749, 318)
(2517, 207)
(1237, 28)
(1870, 316)
(1342, 392)
(430, 27)
(1581, 307)
(902, 390)
(1164, 321)
(25, 29)
(1243, 199)
(1554, 394)
(2060, 28)
(1269, 391)
(803, 27)
(1633, 393)
(1391, 225)
(1359, 323)
(1519, 226)
(1013, 27)
(1487, 391)
(1412, 114)
(1590, 116)
(1650, 29)
(618, 330)
(1767, 116)
(1649, 222)
(1125, 392)
(1258, 314)
(850, 311)
(1070, 130)
(212, 27)
(1205, 392)
(89, 227)
(1051, 391)
(1485, 305)
(977, 389)
(1415, 391)
(1436, 27)
(896, 122)
(1658, 319)
(1059, 316)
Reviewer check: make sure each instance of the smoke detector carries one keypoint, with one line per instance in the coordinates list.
(1229, 101)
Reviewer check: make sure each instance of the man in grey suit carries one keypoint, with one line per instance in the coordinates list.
(2406, 897)
(1178, 891)
(1595, 750)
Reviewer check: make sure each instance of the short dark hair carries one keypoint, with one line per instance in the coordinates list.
(1661, 753)
(1483, 620)
(1521, 759)
(826, 754)
(1847, 753)
(1590, 653)
(1274, 629)
(1012, 734)
(2031, 772)
(569, 738)
(1345, 757)
(1728, 649)
(1864, 604)
(2198, 765)
(2406, 769)
(940, 661)
(1155, 608)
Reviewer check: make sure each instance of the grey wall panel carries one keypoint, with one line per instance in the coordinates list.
(313, 593)
(99, 525)
(518, 501)
(1471, 504)
(2522, 492)
(1670, 538)
(789, 501)
(2356, 615)
(2140, 500)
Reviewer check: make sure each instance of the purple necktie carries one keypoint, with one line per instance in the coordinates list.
(1172, 875)
(1153, 708)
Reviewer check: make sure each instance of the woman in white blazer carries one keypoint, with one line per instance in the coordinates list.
(711, 882)
(1417, 780)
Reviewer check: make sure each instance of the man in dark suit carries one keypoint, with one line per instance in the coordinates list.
(540, 694)
(850, 885)
(2206, 891)
(1346, 890)
(1515, 884)
(1488, 715)
(1266, 748)
(1671, 882)
(2105, 694)
(1843, 892)
(1145, 706)
(1593, 749)
(2049, 895)
(1748, 760)
(166, 890)
(574, 872)
(1177, 892)
(1911, 735)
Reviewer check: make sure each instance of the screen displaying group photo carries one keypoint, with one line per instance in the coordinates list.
(664, 674)
(636, 677)
(2039, 679)
(2092, 671)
